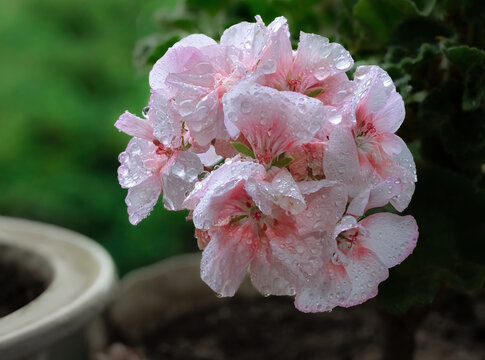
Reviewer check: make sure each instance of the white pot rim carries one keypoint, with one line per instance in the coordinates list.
(83, 279)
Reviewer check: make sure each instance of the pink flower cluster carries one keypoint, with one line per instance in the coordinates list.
(278, 156)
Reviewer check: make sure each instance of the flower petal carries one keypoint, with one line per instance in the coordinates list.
(391, 237)
(138, 162)
(332, 288)
(134, 126)
(167, 125)
(266, 277)
(179, 176)
(326, 201)
(226, 258)
(375, 196)
(272, 121)
(366, 272)
(317, 56)
(377, 99)
(142, 198)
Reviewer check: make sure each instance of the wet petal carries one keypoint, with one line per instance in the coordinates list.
(391, 237)
(375, 196)
(179, 176)
(317, 56)
(326, 201)
(226, 258)
(366, 272)
(265, 275)
(272, 121)
(330, 289)
(167, 124)
(377, 99)
(176, 60)
(341, 159)
(138, 162)
(219, 196)
(134, 126)
(142, 198)
(210, 157)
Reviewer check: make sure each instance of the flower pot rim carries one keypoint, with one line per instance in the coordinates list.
(83, 280)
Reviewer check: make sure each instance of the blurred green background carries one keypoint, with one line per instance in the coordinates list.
(66, 75)
(68, 69)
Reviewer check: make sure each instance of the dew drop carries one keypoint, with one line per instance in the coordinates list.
(145, 111)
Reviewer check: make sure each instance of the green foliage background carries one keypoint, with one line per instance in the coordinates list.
(67, 75)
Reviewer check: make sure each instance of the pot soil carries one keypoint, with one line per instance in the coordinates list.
(20, 284)
(200, 326)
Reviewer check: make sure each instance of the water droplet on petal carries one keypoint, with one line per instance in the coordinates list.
(145, 111)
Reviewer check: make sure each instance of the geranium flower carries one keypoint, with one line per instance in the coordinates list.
(199, 72)
(248, 218)
(148, 166)
(365, 151)
(271, 121)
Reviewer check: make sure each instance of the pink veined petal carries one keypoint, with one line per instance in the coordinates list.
(142, 198)
(134, 126)
(337, 89)
(366, 272)
(317, 56)
(282, 191)
(167, 124)
(326, 201)
(196, 40)
(404, 158)
(226, 258)
(179, 176)
(391, 237)
(402, 200)
(341, 159)
(249, 38)
(376, 97)
(175, 60)
(266, 277)
(288, 195)
(228, 173)
(299, 257)
(272, 121)
(206, 121)
(390, 143)
(375, 196)
(262, 193)
(210, 157)
(330, 289)
(138, 162)
(279, 53)
(224, 203)
(220, 196)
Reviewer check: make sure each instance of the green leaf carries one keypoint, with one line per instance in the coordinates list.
(471, 61)
(282, 161)
(379, 18)
(314, 93)
(243, 149)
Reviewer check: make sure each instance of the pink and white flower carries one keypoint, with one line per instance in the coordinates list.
(199, 72)
(148, 165)
(365, 151)
(303, 151)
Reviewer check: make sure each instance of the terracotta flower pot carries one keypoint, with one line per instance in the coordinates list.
(73, 277)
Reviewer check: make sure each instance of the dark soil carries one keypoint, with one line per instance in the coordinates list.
(18, 287)
(259, 328)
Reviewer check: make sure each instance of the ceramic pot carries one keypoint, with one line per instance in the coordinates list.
(78, 277)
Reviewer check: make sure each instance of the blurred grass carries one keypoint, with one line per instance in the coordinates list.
(66, 75)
